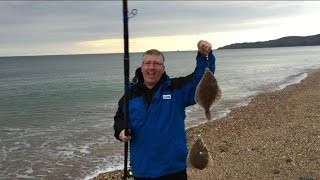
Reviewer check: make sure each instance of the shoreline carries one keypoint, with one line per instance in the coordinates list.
(275, 136)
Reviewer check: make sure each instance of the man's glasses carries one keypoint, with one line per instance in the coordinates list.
(155, 64)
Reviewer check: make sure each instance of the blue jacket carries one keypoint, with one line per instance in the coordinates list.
(159, 144)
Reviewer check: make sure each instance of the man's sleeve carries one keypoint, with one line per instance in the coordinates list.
(118, 125)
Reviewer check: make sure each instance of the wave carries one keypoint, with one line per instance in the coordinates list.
(294, 79)
(103, 170)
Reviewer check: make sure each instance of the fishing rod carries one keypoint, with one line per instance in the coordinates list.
(126, 82)
(126, 68)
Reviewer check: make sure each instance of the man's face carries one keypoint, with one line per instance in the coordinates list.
(152, 69)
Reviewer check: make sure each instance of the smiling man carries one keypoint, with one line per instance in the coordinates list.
(156, 117)
(152, 67)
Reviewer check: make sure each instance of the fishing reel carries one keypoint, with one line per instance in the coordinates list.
(129, 174)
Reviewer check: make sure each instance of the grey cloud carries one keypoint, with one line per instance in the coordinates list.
(211, 16)
(25, 23)
(84, 20)
(59, 21)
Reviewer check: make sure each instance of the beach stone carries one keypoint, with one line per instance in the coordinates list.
(307, 178)
(288, 160)
(276, 171)
(223, 148)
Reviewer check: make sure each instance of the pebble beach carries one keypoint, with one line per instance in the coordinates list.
(275, 136)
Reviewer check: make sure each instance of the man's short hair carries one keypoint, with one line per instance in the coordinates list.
(153, 52)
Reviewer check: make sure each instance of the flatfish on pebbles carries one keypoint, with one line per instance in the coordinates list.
(199, 155)
(208, 92)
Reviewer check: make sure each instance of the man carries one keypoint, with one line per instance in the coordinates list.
(158, 143)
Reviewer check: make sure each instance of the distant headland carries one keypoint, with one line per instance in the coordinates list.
(288, 41)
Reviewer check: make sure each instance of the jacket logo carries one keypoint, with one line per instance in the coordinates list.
(166, 96)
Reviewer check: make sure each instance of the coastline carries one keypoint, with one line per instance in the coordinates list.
(275, 136)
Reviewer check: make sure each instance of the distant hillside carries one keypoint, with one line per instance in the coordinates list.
(281, 42)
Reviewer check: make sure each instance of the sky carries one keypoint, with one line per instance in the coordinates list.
(91, 27)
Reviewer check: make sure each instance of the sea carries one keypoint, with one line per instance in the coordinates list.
(56, 111)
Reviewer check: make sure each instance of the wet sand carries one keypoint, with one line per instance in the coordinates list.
(276, 136)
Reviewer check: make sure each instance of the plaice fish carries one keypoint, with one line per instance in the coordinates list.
(208, 92)
(199, 155)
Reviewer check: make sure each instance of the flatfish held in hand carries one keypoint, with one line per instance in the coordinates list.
(199, 155)
(208, 92)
